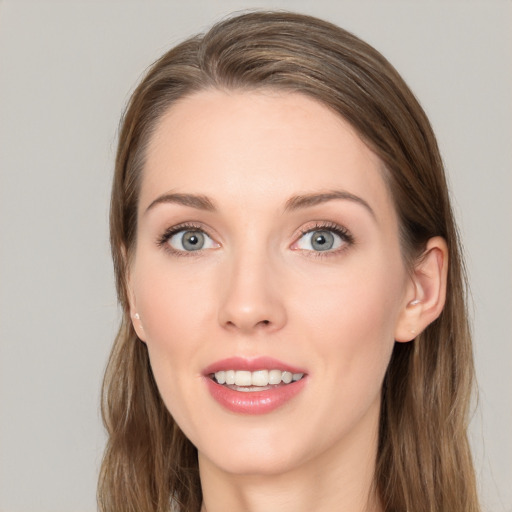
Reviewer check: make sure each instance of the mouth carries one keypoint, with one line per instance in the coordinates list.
(253, 386)
(259, 380)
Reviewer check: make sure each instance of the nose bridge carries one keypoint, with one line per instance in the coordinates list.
(251, 299)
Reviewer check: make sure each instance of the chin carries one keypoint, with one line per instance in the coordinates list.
(261, 464)
(260, 451)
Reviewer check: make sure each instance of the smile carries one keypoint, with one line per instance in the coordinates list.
(256, 386)
(260, 380)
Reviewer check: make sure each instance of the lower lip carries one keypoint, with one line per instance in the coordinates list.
(254, 402)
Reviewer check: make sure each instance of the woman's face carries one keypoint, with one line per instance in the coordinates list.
(267, 250)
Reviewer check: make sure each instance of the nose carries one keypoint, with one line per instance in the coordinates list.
(252, 296)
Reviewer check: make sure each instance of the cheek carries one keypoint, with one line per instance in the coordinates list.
(170, 309)
(352, 317)
(172, 314)
(358, 335)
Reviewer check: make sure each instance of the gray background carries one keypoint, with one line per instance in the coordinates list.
(66, 71)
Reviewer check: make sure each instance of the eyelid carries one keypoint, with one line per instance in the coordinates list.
(337, 229)
(342, 232)
(163, 239)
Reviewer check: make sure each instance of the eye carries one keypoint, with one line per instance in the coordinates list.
(323, 239)
(189, 240)
(319, 240)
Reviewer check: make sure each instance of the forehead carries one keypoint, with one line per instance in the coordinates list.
(262, 145)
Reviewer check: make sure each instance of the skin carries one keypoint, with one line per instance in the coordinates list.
(259, 288)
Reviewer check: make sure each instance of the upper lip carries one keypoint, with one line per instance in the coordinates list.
(250, 364)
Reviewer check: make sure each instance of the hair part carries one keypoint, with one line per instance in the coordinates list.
(424, 462)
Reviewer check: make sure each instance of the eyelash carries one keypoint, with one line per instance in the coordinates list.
(342, 232)
(163, 239)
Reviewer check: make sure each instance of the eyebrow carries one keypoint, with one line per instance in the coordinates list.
(199, 202)
(309, 200)
(299, 202)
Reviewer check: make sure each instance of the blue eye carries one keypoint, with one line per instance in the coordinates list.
(190, 240)
(321, 240)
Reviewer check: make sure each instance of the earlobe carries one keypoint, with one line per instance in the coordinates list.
(137, 325)
(427, 293)
(134, 315)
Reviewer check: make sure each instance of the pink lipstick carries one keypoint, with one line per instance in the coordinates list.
(253, 386)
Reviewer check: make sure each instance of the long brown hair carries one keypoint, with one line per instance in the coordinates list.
(423, 462)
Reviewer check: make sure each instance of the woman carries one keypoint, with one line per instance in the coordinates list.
(295, 333)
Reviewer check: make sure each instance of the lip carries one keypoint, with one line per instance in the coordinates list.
(254, 402)
(251, 364)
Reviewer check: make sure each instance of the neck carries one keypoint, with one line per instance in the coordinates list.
(339, 479)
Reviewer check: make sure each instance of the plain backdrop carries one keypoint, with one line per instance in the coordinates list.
(66, 71)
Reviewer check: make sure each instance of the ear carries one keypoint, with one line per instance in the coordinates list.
(426, 293)
(134, 315)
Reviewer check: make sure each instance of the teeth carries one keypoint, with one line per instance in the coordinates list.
(274, 376)
(287, 377)
(260, 378)
(243, 378)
